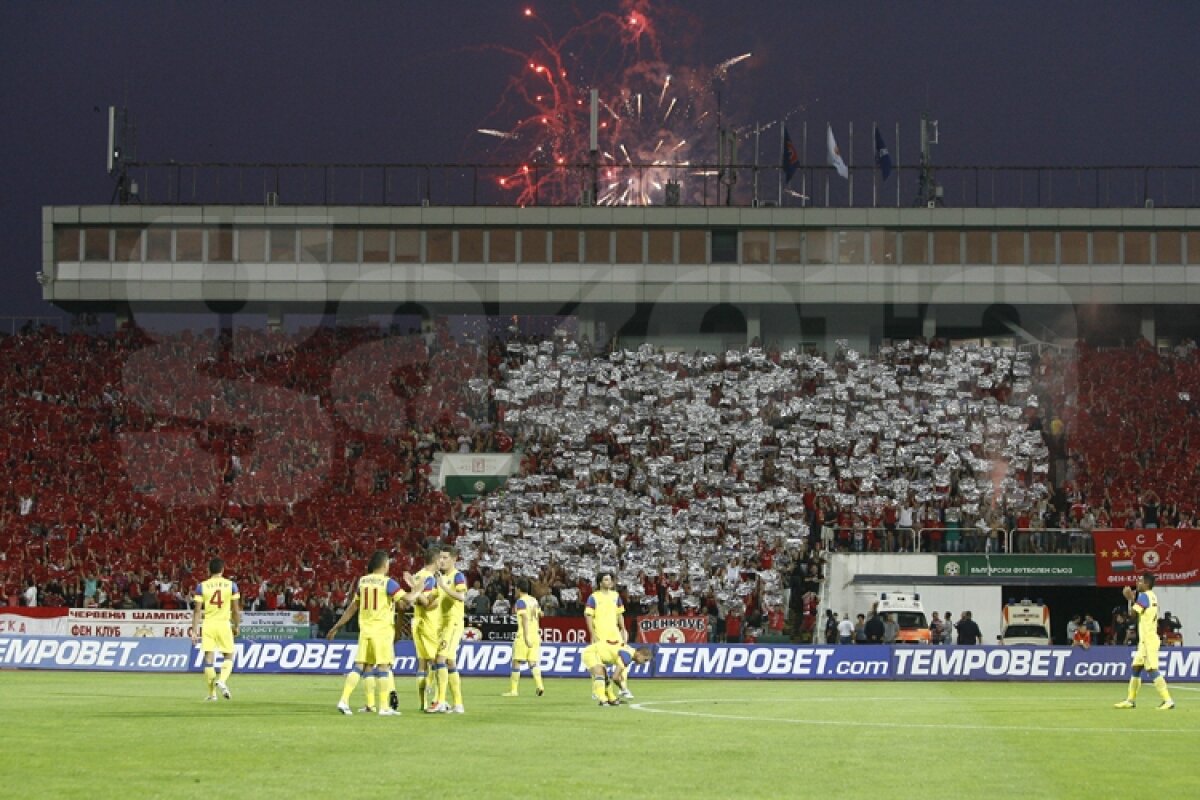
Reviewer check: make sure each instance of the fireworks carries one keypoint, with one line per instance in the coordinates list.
(656, 121)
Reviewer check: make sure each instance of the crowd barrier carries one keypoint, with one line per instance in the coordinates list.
(778, 662)
(970, 540)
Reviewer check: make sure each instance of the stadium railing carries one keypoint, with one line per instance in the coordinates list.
(1050, 540)
(971, 539)
(874, 539)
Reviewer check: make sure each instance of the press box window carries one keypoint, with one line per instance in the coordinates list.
(724, 246)
(565, 246)
(470, 246)
(691, 247)
(66, 244)
(377, 245)
(129, 244)
(502, 246)
(533, 245)
(220, 243)
(438, 246)
(408, 245)
(189, 244)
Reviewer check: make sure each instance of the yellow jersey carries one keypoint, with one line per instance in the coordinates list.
(1145, 605)
(452, 611)
(216, 596)
(426, 583)
(376, 595)
(607, 612)
(528, 615)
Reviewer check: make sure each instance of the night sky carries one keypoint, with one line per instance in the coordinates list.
(1013, 83)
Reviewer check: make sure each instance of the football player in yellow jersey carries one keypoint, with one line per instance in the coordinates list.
(605, 612)
(599, 657)
(528, 642)
(376, 598)
(219, 600)
(1144, 605)
(426, 619)
(605, 616)
(452, 596)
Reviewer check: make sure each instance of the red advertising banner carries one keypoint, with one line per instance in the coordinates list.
(672, 630)
(1171, 554)
(564, 630)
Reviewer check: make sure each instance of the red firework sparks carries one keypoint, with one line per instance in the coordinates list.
(656, 120)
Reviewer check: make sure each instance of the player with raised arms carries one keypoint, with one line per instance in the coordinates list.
(528, 642)
(1144, 606)
(221, 603)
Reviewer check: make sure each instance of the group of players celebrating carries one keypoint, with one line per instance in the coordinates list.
(437, 597)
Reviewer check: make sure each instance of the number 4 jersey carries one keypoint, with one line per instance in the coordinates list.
(216, 596)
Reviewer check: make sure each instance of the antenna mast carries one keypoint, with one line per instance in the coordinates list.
(122, 149)
(929, 193)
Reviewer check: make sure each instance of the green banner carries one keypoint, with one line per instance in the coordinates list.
(469, 475)
(976, 565)
(275, 632)
(471, 486)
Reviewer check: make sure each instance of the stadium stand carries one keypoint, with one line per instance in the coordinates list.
(712, 482)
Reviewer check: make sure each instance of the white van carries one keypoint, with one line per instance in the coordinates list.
(1027, 623)
(909, 615)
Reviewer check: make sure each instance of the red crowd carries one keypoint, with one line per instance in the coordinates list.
(131, 458)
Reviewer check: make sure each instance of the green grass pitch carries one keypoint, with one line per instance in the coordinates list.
(89, 735)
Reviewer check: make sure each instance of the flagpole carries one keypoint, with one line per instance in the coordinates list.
(874, 185)
(782, 134)
(828, 128)
(898, 173)
(850, 164)
(757, 129)
(804, 167)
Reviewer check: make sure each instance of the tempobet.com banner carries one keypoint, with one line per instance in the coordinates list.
(772, 662)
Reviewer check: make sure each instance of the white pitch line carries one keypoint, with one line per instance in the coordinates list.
(645, 706)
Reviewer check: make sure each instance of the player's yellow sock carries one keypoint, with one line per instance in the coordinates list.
(610, 691)
(422, 683)
(514, 680)
(226, 669)
(537, 679)
(210, 676)
(598, 690)
(387, 686)
(1160, 684)
(352, 679)
(1135, 683)
(369, 685)
(442, 682)
(455, 681)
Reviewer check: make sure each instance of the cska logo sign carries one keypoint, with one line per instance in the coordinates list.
(1172, 554)
(1151, 549)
